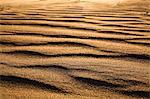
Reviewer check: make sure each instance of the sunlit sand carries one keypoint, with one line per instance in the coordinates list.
(74, 49)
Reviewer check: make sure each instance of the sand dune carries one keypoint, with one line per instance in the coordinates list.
(74, 49)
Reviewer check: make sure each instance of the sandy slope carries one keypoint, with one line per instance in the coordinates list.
(74, 50)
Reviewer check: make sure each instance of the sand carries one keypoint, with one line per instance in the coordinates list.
(54, 49)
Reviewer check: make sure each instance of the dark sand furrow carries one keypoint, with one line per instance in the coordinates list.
(138, 23)
(148, 38)
(138, 94)
(70, 36)
(51, 66)
(133, 56)
(116, 16)
(122, 20)
(73, 17)
(139, 43)
(34, 14)
(49, 25)
(60, 67)
(57, 20)
(98, 83)
(73, 12)
(22, 52)
(112, 87)
(26, 81)
(8, 14)
(118, 25)
(47, 43)
(119, 32)
(113, 18)
(136, 30)
(23, 18)
(130, 82)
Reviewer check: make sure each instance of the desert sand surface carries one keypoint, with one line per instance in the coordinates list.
(74, 49)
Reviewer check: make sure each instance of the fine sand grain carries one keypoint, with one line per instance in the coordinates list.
(74, 49)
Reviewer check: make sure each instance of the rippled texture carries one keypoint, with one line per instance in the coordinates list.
(74, 50)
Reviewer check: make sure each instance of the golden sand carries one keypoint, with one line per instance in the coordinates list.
(74, 49)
